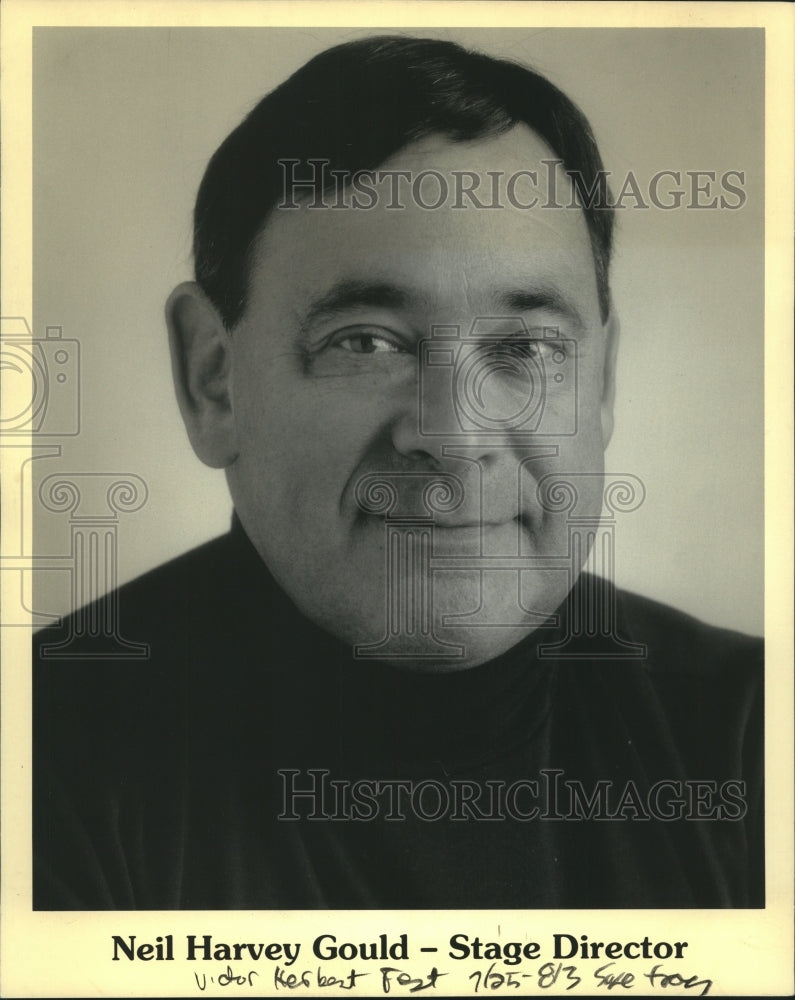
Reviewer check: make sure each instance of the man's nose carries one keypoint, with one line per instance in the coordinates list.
(431, 422)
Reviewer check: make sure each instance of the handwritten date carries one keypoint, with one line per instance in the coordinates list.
(609, 977)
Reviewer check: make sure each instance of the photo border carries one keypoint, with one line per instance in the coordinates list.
(745, 952)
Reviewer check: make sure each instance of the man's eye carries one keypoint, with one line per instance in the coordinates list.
(520, 347)
(366, 341)
(524, 347)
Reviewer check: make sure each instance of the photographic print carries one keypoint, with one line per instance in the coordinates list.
(389, 587)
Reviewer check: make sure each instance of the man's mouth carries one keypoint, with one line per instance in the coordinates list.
(478, 538)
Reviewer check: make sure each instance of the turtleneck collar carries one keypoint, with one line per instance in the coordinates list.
(352, 706)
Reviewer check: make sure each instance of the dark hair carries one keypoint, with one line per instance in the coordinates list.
(356, 105)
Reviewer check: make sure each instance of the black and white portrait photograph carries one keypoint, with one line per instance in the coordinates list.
(385, 432)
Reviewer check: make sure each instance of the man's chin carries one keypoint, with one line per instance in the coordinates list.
(452, 650)
(471, 618)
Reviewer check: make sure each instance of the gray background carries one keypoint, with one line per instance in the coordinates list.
(124, 123)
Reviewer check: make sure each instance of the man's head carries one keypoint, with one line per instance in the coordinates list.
(302, 358)
(358, 104)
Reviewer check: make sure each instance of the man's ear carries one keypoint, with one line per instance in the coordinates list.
(201, 363)
(612, 330)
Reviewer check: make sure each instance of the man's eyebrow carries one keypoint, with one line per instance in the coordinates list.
(349, 294)
(352, 293)
(521, 300)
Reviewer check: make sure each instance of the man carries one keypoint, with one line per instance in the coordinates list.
(391, 685)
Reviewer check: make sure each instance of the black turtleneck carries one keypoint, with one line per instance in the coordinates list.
(187, 780)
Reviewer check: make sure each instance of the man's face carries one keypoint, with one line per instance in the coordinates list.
(330, 387)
